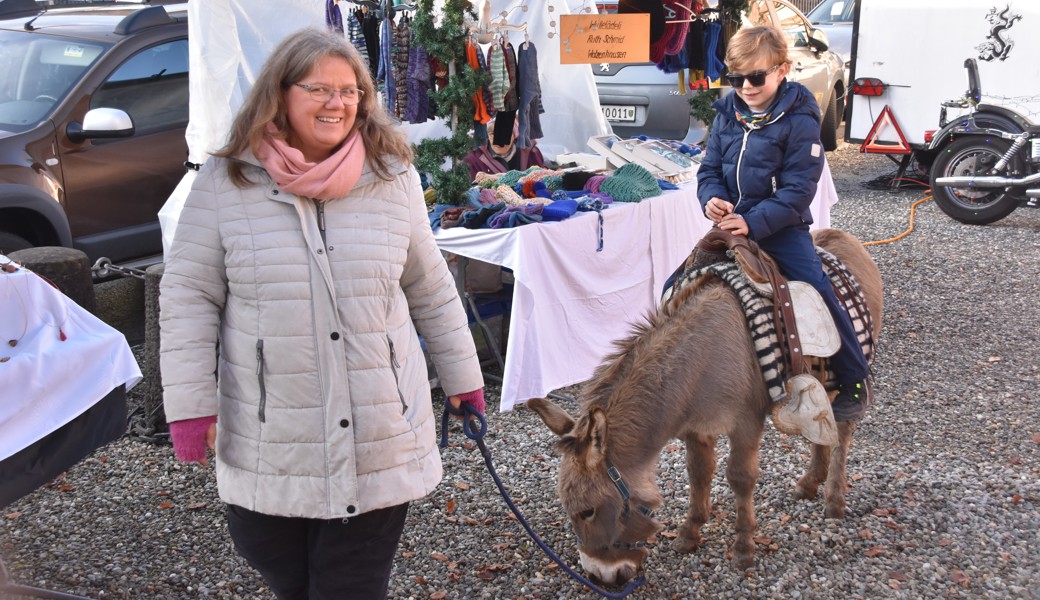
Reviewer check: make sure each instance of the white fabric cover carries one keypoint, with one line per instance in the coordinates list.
(47, 382)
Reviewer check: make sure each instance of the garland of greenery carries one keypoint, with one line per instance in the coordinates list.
(701, 108)
(447, 43)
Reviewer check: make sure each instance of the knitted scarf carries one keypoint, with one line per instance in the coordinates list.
(331, 178)
(751, 121)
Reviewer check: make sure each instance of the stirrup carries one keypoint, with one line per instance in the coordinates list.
(806, 411)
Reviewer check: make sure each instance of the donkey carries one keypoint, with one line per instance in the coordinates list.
(690, 372)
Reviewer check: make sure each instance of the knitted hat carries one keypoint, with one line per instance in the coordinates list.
(630, 183)
(452, 217)
(559, 210)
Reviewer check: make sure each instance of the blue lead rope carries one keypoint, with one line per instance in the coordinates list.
(466, 412)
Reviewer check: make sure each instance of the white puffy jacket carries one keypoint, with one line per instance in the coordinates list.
(318, 380)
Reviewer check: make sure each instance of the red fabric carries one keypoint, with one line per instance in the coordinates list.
(474, 399)
(189, 438)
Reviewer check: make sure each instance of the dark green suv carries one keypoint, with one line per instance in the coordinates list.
(93, 108)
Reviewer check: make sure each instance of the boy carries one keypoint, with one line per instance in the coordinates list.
(759, 175)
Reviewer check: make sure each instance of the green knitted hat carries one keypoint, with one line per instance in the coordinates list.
(630, 183)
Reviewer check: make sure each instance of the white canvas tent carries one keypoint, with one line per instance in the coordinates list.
(230, 39)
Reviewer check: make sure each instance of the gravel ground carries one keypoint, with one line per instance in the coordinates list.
(944, 470)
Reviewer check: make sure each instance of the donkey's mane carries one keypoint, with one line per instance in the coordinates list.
(641, 351)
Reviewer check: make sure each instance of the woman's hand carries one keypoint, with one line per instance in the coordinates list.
(192, 437)
(717, 208)
(475, 399)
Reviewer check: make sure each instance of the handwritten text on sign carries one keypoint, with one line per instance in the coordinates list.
(592, 39)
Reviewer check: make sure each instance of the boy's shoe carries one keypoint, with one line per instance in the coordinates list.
(852, 400)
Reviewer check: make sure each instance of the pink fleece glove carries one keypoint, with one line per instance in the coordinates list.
(474, 399)
(189, 438)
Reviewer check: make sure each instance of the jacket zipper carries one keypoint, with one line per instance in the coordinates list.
(394, 366)
(740, 162)
(740, 159)
(321, 220)
(260, 378)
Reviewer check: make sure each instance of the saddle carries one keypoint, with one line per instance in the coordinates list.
(806, 410)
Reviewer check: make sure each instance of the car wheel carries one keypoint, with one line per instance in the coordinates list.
(829, 127)
(10, 242)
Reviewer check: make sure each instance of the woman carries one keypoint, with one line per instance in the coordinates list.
(304, 248)
(492, 158)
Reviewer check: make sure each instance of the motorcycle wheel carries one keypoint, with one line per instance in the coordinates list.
(975, 156)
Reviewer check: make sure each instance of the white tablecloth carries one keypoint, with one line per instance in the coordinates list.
(570, 302)
(46, 382)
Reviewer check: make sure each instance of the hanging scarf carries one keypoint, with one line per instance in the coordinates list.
(331, 178)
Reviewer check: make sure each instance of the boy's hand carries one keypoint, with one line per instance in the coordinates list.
(716, 209)
(734, 224)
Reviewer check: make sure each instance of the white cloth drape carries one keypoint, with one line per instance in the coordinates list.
(46, 382)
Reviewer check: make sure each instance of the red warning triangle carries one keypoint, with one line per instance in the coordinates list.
(871, 144)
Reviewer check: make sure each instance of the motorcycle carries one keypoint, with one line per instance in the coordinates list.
(987, 162)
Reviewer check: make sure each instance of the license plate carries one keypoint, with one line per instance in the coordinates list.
(619, 114)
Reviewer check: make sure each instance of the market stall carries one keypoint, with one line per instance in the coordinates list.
(230, 39)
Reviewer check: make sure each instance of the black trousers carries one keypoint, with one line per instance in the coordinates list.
(316, 559)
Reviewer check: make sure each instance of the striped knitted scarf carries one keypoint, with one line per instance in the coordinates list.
(758, 310)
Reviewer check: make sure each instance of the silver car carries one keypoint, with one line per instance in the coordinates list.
(835, 18)
(639, 99)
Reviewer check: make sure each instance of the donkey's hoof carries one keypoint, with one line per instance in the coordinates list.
(834, 512)
(805, 492)
(686, 545)
(743, 562)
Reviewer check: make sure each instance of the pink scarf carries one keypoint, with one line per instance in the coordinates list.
(331, 178)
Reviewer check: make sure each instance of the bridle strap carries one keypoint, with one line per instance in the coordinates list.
(626, 494)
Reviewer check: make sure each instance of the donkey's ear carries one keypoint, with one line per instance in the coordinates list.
(597, 434)
(554, 417)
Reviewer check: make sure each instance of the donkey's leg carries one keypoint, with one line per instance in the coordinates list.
(700, 464)
(809, 484)
(742, 473)
(837, 481)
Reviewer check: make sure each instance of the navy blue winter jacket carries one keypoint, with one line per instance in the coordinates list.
(770, 172)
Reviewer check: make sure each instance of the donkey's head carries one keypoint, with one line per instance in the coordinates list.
(611, 511)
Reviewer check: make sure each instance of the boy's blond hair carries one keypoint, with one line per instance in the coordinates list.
(751, 43)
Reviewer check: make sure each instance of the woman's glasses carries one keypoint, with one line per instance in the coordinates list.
(757, 79)
(323, 93)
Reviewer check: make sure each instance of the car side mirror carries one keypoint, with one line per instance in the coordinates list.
(818, 40)
(101, 123)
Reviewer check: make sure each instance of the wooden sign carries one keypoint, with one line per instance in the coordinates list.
(594, 39)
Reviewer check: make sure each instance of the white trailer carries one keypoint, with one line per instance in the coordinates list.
(908, 59)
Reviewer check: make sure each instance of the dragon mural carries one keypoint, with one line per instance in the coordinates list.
(998, 43)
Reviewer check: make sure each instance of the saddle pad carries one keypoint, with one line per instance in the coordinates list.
(816, 329)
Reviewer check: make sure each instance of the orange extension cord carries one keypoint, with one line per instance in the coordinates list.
(913, 207)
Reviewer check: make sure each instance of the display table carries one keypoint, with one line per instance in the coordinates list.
(572, 302)
(47, 382)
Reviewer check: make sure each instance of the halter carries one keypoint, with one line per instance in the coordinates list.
(626, 495)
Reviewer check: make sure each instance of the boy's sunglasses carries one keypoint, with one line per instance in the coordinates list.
(757, 79)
